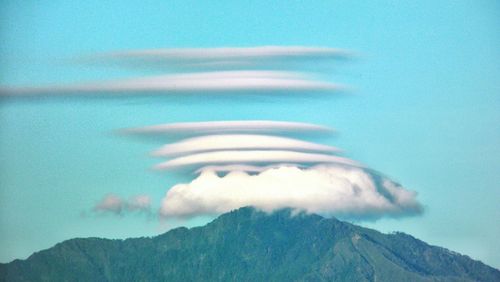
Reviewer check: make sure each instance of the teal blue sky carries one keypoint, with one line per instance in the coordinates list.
(424, 110)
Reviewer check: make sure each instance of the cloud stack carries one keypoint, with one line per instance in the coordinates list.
(240, 163)
(241, 142)
(256, 162)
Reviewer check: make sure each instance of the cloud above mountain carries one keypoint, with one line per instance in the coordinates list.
(325, 189)
(248, 163)
(244, 162)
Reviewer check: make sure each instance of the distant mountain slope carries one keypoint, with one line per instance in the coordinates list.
(249, 245)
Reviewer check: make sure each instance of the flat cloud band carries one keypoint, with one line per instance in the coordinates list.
(239, 142)
(253, 156)
(233, 126)
(194, 83)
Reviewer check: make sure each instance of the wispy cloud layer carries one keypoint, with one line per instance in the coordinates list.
(202, 71)
(326, 189)
(233, 53)
(221, 58)
(239, 142)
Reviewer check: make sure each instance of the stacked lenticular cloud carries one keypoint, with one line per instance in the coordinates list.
(266, 164)
(242, 143)
(265, 168)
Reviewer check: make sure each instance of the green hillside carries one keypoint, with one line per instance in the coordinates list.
(249, 245)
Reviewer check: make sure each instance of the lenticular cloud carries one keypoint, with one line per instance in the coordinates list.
(325, 189)
(232, 126)
(222, 57)
(243, 162)
(252, 162)
(239, 142)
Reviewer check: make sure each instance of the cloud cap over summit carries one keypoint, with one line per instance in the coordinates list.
(325, 189)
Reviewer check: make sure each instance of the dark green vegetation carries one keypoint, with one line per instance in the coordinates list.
(249, 245)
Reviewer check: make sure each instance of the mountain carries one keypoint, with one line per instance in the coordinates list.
(250, 245)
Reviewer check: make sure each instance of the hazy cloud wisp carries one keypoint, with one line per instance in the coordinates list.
(112, 203)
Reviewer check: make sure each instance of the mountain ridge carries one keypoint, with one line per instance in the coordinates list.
(250, 245)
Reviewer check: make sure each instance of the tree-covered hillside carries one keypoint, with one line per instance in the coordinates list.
(250, 245)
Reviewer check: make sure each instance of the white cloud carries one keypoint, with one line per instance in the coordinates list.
(324, 189)
(238, 142)
(236, 126)
(252, 156)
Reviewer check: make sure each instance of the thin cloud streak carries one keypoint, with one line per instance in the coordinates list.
(239, 142)
(225, 54)
(200, 83)
(236, 126)
(253, 156)
(316, 59)
(243, 168)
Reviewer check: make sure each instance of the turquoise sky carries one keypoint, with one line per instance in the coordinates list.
(425, 109)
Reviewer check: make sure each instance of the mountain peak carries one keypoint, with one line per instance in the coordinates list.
(251, 245)
(249, 213)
